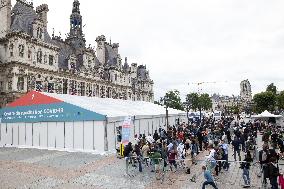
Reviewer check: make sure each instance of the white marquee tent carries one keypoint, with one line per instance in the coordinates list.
(77, 123)
(266, 114)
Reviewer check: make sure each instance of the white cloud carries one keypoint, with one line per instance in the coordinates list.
(186, 41)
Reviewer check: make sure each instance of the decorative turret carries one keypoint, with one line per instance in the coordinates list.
(101, 51)
(5, 15)
(115, 47)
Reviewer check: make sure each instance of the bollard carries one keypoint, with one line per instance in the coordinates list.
(121, 150)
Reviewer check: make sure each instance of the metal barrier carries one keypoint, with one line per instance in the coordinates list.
(234, 177)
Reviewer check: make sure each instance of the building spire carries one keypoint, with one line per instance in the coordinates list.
(76, 7)
(76, 36)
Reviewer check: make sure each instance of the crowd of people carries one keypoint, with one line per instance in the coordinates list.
(178, 146)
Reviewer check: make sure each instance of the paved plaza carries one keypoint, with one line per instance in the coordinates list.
(33, 168)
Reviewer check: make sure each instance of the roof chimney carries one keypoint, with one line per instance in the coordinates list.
(42, 13)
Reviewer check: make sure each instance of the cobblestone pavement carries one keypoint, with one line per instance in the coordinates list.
(32, 168)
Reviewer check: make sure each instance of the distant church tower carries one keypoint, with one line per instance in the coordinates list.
(246, 93)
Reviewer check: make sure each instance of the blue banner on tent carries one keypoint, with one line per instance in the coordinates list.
(48, 112)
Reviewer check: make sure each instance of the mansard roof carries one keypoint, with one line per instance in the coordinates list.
(23, 15)
(142, 72)
(64, 54)
(111, 56)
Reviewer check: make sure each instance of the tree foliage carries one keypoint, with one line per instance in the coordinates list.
(198, 102)
(280, 101)
(264, 101)
(172, 99)
(271, 88)
(235, 109)
(193, 100)
(205, 101)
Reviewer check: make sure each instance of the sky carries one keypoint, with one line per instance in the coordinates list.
(184, 42)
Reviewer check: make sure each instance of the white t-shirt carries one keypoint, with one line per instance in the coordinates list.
(212, 154)
(225, 148)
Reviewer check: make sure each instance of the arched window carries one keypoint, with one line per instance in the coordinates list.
(21, 84)
(39, 56)
(21, 50)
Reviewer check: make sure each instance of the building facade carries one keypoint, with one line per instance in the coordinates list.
(31, 59)
(227, 103)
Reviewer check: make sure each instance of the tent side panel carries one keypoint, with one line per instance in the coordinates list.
(51, 134)
(14, 135)
(4, 137)
(99, 132)
(43, 135)
(22, 134)
(69, 135)
(36, 134)
(29, 136)
(111, 135)
(2, 134)
(88, 135)
(9, 139)
(144, 126)
(78, 135)
(59, 135)
(156, 124)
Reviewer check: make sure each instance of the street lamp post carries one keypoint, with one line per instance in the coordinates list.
(165, 99)
(187, 106)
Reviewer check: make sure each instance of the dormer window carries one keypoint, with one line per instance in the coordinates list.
(39, 33)
(39, 56)
(21, 50)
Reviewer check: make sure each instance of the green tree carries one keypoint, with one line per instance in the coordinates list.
(264, 101)
(235, 109)
(271, 88)
(205, 101)
(198, 102)
(172, 99)
(193, 100)
(280, 101)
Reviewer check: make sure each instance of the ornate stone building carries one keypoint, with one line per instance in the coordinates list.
(31, 59)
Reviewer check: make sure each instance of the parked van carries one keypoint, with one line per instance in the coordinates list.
(217, 115)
